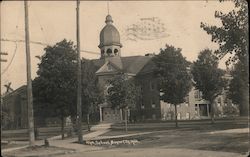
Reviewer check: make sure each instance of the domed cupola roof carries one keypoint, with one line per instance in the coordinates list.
(109, 34)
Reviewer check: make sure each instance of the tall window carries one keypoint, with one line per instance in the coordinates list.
(187, 115)
(116, 52)
(109, 67)
(153, 103)
(178, 115)
(197, 95)
(153, 116)
(152, 85)
(219, 102)
(109, 52)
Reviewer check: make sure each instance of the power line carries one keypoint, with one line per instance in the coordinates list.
(43, 44)
(12, 58)
(22, 41)
(36, 17)
(14, 54)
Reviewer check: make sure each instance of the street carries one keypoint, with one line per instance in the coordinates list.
(199, 138)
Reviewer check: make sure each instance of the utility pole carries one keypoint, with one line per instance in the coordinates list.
(1, 60)
(29, 83)
(79, 75)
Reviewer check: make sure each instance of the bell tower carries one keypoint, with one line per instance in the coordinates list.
(110, 45)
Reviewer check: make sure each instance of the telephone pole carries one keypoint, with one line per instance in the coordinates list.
(1, 60)
(29, 83)
(79, 75)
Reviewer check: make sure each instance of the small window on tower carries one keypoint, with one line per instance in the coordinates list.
(109, 52)
(116, 52)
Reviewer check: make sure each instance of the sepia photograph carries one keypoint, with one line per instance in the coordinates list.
(122, 78)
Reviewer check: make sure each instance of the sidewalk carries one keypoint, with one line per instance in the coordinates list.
(69, 143)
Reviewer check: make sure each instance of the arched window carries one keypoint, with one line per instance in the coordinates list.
(102, 52)
(109, 52)
(116, 52)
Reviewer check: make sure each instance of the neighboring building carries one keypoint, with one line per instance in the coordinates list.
(15, 106)
(141, 68)
(15, 111)
(197, 108)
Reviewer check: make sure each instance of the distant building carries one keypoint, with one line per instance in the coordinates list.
(196, 107)
(15, 106)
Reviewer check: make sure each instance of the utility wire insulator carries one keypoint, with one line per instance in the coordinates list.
(3, 53)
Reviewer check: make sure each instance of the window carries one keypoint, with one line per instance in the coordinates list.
(153, 116)
(109, 67)
(152, 85)
(187, 115)
(109, 52)
(178, 115)
(102, 52)
(197, 95)
(116, 52)
(196, 109)
(153, 103)
(218, 104)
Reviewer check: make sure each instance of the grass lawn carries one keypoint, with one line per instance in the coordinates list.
(38, 151)
(216, 137)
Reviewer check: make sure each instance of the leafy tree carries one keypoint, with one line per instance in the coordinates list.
(55, 86)
(175, 80)
(230, 110)
(92, 95)
(238, 89)
(233, 39)
(208, 77)
(123, 94)
(232, 36)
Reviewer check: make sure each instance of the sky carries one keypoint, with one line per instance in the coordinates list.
(52, 21)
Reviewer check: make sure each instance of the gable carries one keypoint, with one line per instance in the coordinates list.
(131, 65)
(108, 67)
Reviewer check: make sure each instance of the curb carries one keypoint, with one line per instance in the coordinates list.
(12, 149)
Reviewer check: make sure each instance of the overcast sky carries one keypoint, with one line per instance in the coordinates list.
(52, 21)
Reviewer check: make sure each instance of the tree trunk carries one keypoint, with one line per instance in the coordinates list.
(244, 105)
(62, 127)
(212, 112)
(176, 118)
(88, 121)
(126, 119)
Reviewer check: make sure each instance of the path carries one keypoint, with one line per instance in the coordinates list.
(69, 143)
